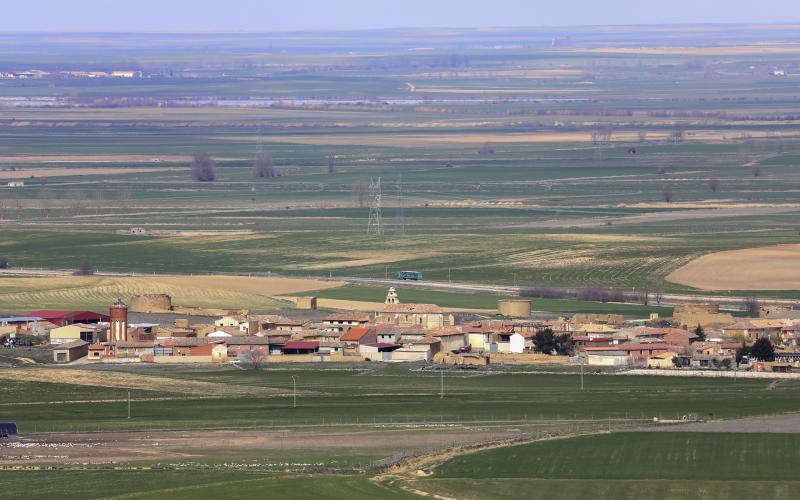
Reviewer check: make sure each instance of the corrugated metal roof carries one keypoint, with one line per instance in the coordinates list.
(70, 345)
(20, 319)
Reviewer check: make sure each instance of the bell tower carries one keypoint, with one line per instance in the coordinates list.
(391, 297)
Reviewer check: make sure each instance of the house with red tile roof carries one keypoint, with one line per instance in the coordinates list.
(359, 335)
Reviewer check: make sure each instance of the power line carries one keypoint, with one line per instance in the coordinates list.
(375, 223)
(400, 211)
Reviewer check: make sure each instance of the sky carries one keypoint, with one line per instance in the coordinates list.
(271, 15)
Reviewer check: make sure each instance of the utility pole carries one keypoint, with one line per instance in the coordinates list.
(441, 384)
(294, 392)
(129, 404)
(580, 357)
(375, 223)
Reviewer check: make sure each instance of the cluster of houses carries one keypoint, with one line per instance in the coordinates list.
(413, 332)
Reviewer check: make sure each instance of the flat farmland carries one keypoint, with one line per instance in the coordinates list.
(626, 465)
(774, 267)
(365, 393)
(247, 439)
(611, 162)
(234, 292)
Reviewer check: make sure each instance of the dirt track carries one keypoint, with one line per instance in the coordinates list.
(198, 445)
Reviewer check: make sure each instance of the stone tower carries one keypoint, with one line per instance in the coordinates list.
(119, 321)
(391, 297)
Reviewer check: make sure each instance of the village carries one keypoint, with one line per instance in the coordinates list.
(697, 337)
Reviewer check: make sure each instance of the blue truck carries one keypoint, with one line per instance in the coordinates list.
(409, 275)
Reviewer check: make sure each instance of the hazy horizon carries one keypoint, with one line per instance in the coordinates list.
(317, 15)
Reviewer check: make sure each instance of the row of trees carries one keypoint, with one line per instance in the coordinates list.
(203, 167)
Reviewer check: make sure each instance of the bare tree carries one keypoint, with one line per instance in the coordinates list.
(85, 269)
(263, 166)
(202, 167)
(360, 188)
(677, 134)
(666, 193)
(658, 291)
(756, 170)
(254, 359)
(713, 184)
(752, 306)
(331, 164)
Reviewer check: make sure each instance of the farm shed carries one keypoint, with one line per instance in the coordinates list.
(87, 333)
(70, 351)
(296, 347)
(217, 352)
(663, 360)
(379, 351)
(637, 351)
(64, 317)
(452, 338)
(608, 358)
(19, 320)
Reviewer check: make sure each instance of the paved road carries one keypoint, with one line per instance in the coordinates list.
(668, 299)
(786, 423)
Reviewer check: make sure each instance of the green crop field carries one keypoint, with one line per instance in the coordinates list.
(377, 393)
(628, 465)
(349, 407)
(189, 485)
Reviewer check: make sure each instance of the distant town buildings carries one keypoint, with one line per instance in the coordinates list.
(698, 337)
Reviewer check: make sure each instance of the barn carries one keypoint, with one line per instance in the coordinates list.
(65, 317)
(70, 351)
